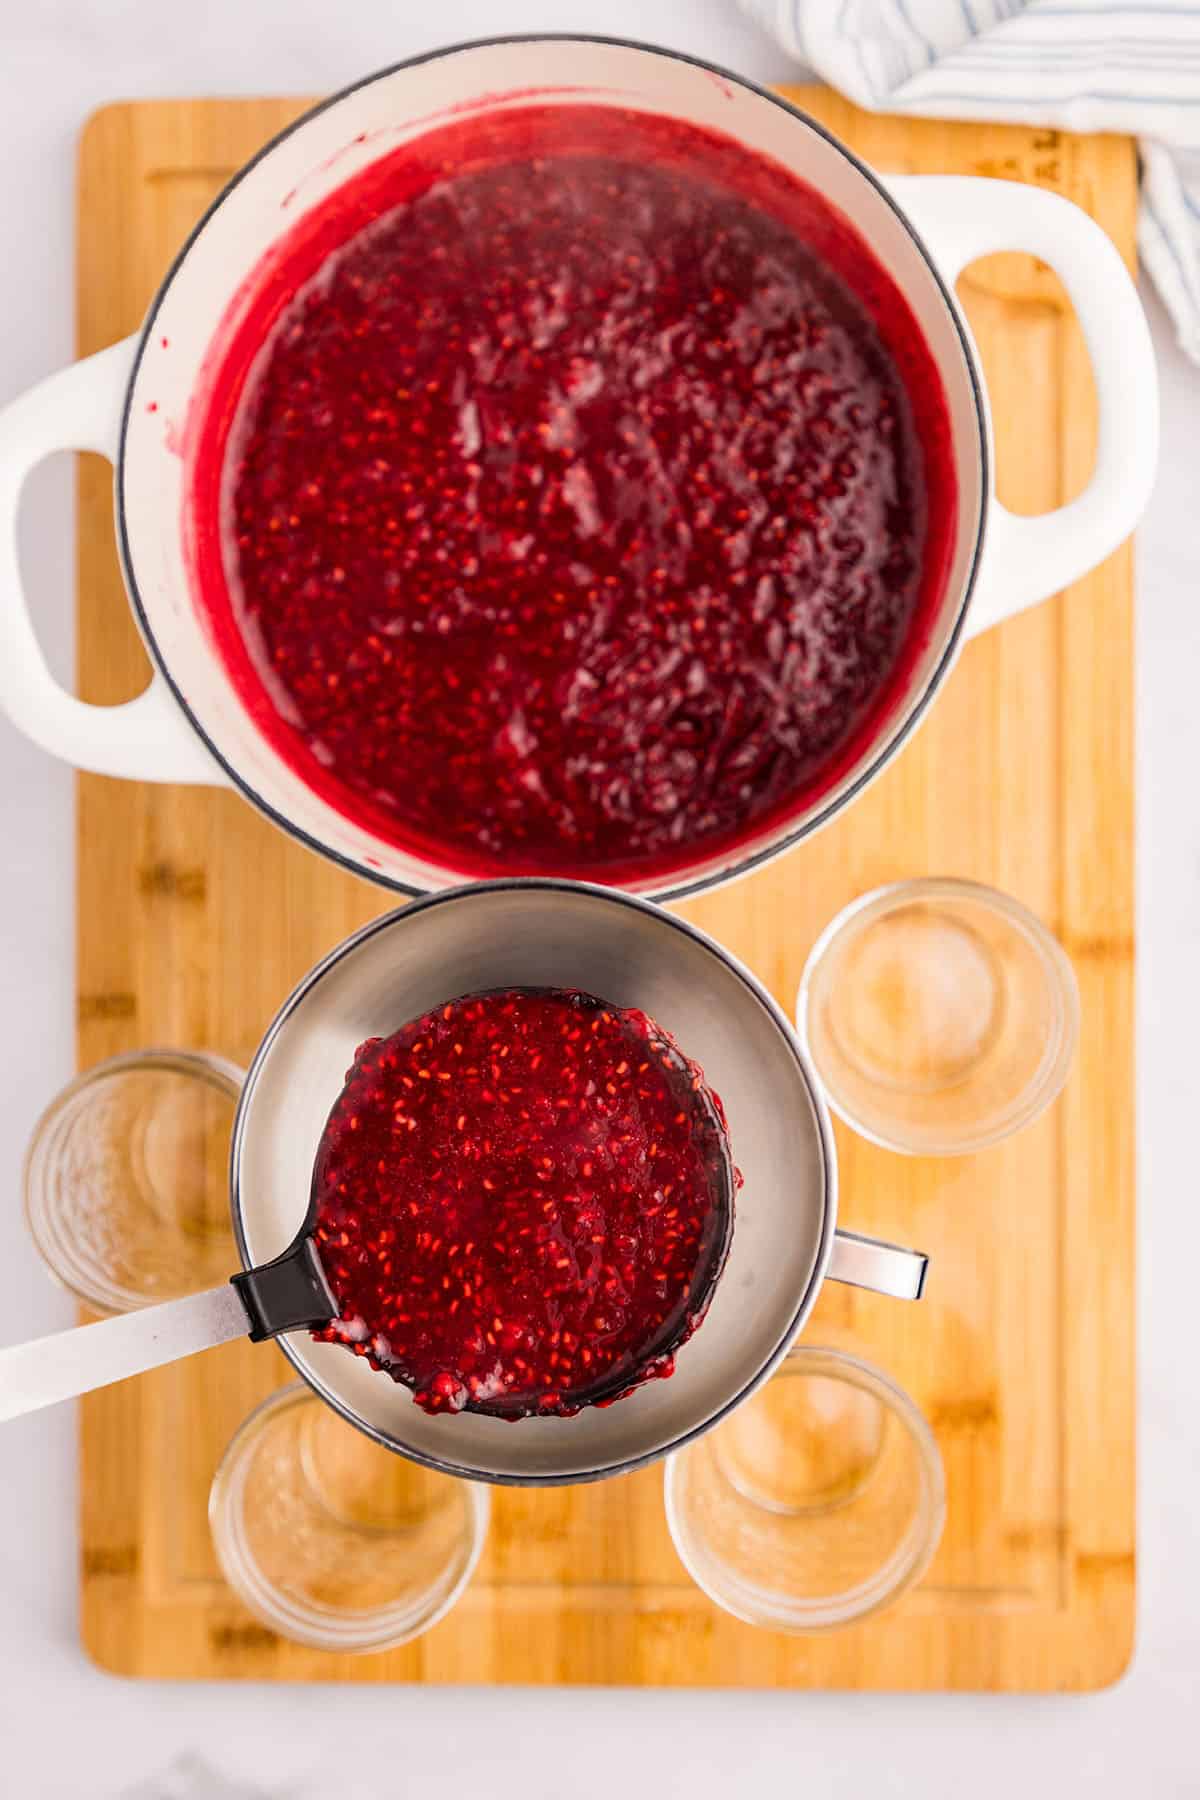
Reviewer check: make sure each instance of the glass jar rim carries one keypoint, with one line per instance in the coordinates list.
(903, 1567)
(308, 1622)
(1046, 1081)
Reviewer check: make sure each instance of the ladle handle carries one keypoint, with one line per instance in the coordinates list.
(73, 1362)
(868, 1262)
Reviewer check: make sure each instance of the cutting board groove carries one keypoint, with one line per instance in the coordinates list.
(196, 916)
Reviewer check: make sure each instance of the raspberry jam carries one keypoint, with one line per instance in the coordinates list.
(523, 1202)
(573, 496)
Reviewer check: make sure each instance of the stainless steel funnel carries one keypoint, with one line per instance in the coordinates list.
(511, 934)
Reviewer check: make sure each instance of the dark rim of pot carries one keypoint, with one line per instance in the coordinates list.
(756, 991)
(787, 836)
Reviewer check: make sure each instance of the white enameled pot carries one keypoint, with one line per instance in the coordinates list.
(190, 725)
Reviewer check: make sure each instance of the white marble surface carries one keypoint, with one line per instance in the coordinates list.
(65, 1729)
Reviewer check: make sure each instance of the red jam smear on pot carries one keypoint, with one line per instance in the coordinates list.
(524, 1199)
(574, 495)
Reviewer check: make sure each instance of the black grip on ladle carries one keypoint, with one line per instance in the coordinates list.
(289, 1294)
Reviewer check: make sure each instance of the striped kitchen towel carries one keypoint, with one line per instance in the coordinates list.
(1085, 65)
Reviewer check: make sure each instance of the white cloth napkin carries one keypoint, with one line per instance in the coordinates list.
(1085, 65)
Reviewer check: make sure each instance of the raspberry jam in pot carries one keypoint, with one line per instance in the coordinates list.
(523, 1202)
(573, 495)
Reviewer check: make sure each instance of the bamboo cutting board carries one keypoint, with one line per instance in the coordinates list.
(196, 917)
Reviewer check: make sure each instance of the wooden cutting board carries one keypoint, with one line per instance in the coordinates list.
(196, 917)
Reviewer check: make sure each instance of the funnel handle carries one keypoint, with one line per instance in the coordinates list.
(868, 1262)
(67, 1363)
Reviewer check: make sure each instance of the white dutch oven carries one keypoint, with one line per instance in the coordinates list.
(190, 726)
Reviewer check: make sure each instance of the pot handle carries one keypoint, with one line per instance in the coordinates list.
(868, 1262)
(1028, 559)
(147, 739)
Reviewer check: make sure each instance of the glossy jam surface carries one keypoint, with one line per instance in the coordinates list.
(524, 1199)
(586, 505)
